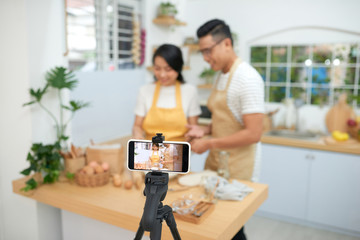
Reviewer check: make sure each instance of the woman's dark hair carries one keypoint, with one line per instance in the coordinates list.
(173, 56)
(218, 29)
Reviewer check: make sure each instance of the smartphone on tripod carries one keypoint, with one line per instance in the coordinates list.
(166, 156)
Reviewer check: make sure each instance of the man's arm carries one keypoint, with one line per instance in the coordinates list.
(253, 124)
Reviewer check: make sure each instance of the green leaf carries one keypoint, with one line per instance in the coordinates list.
(26, 188)
(30, 157)
(70, 176)
(207, 72)
(29, 103)
(62, 137)
(37, 94)
(48, 179)
(60, 78)
(26, 172)
(76, 105)
(30, 184)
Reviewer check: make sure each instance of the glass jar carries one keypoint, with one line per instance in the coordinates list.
(223, 168)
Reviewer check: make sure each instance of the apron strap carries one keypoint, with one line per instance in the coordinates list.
(178, 94)
(156, 94)
(232, 70)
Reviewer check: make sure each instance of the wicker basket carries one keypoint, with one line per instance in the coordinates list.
(94, 180)
(72, 165)
(354, 132)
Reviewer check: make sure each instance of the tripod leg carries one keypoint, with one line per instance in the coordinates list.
(155, 233)
(170, 221)
(139, 233)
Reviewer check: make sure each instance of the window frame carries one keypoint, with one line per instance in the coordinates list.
(310, 84)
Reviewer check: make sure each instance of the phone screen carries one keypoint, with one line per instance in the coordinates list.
(167, 156)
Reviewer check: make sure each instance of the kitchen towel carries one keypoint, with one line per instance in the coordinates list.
(227, 191)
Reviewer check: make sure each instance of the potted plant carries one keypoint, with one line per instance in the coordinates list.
(208, 74)
(167, 9)
(45, 160)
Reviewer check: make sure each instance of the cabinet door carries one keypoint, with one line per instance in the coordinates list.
(334, 192)
(286, 170)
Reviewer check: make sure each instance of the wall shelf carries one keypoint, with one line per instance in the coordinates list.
(168, 21)
(205, 86)
(192, 47)
(151, 68)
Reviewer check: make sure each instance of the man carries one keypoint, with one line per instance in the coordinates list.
(236, 104)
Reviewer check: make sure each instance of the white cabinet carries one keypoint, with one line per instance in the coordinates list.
(334, 192)
(312, 186)
(285, 170)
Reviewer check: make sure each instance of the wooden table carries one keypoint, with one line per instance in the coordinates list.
(124, 208)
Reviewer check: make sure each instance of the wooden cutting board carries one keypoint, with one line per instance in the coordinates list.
(190, 217)
(338, 115)
(350, 143)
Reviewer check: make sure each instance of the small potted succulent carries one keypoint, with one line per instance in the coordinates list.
(208, 74)
(167, 9)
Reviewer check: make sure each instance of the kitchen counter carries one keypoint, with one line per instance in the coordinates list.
(124, 208)
(318, 144)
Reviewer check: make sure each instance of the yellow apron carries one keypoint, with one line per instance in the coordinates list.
(171, 122)
(224, 123)
(155, 159)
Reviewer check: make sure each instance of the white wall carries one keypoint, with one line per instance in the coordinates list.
(15, 122)
(112, 96)
(32, 41)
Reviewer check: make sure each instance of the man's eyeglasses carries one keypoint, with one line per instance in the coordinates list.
(207, 51)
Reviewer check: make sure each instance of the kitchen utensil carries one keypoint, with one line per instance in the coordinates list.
(267, 122)
(338, 115)
(201, 211)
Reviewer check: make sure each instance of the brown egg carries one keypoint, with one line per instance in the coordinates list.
(93, 164)
(116, 176)
(105, 166)
(98, 169)
(88, 170)
(128, 184)
(117, 182)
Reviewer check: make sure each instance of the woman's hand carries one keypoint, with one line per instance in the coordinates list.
(200, 145)
(137, 131)
(195, 131)
(137, 135)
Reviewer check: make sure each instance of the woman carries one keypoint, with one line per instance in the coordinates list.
(169, 104)
(155, 157)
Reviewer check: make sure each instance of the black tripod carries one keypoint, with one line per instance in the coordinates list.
(156, 186)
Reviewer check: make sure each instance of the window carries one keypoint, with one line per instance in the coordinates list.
(104, 34)
(81, 33)
(316, 74)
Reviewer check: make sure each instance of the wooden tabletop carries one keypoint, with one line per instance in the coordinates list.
(124, 208)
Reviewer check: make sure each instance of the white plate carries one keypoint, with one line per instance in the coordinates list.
(194, 179)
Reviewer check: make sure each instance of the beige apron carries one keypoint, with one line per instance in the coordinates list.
(224, 123)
